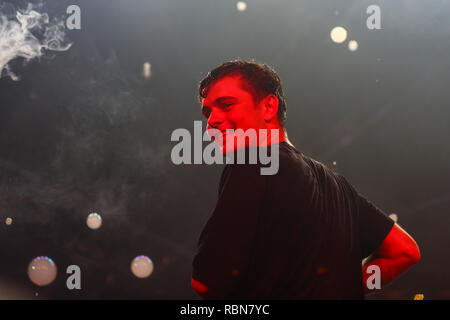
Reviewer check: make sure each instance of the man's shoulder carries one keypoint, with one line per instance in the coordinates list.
(293, 164)
(318, 167)
(294, 161)
(329, 177)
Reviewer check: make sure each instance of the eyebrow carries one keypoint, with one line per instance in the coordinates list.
(221, 99)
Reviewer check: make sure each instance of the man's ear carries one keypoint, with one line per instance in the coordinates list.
(270, 105)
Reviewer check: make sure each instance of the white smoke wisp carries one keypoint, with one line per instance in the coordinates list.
(17, 40)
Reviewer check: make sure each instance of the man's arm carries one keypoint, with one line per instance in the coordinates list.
(397, 253)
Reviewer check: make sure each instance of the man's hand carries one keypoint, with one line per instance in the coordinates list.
(397, 253)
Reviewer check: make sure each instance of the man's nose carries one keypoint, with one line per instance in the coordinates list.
(215, 119)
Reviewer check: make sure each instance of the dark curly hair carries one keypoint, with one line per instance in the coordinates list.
(260, 80)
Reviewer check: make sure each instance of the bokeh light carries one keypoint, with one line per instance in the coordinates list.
(146, 70)
(419, 296)
(394, 217)
(241, 6)
(353, 45)
(338, 34)
(94, 221)
(42, 271)
(142, 266)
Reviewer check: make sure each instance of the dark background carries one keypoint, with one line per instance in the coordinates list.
(83, 131)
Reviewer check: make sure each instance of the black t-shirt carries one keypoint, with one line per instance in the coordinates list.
(299, 234)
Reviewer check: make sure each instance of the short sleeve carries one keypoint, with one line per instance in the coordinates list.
(227, 240)
(374, 225)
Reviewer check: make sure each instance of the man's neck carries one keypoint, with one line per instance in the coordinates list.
(276, 138)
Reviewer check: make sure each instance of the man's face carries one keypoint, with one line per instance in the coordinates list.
(229, 106)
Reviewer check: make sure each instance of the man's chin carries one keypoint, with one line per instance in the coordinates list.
(228, 143)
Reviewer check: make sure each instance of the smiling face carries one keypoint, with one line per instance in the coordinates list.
(228, 106)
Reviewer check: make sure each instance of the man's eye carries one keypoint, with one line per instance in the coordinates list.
(226, 105)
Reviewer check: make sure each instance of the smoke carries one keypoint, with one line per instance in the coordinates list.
(26, 35)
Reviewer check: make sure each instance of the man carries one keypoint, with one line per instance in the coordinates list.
(301, 233)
